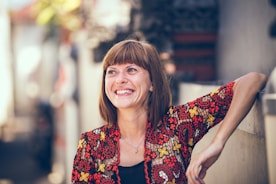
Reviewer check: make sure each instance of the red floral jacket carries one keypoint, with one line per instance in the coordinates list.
(168, 147)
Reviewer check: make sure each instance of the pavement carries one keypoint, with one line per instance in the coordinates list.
(18, 164)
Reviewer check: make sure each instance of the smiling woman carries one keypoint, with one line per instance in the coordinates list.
(146, 60)
(135, 103)
(127, 85)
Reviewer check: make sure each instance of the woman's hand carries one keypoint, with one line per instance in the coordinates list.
(201, 162)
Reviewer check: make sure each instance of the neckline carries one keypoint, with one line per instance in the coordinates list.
(133, 166)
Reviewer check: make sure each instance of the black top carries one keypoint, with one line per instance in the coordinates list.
(132, 175)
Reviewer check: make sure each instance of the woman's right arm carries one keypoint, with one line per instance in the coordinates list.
(83, 163)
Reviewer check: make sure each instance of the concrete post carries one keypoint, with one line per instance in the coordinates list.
(269, 110)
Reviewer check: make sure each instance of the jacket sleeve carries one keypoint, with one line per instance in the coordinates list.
(195, 118)
(83, 164)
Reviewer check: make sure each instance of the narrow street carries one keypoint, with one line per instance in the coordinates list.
(18, 164)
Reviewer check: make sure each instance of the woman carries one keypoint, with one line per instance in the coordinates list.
(145, 139)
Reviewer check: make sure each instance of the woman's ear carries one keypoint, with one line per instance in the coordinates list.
(151, 88)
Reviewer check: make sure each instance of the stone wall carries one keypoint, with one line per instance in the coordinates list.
(243, 159)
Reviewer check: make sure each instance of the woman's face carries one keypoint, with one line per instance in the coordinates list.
(127, 86)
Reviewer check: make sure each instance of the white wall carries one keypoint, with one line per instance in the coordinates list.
(6, 92)
(244, 43)
(89, 86)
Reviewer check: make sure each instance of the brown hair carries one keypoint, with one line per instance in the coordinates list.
(146, 56)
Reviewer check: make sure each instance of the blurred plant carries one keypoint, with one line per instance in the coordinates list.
(64, 13)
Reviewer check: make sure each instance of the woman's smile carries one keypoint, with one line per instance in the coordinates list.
(124, 92)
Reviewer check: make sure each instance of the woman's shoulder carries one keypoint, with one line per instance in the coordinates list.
(93, 132)
(99, 133)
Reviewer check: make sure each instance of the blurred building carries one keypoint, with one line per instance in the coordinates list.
(58, 67)
(6, 97)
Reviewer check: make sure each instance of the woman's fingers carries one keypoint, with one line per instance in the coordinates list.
(202, 172)
(195, 174)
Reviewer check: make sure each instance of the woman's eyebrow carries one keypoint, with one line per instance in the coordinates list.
(111, 67)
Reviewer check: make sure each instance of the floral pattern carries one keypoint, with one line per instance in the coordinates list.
(168, 147)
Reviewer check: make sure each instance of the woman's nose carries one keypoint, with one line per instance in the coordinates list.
(121, 78)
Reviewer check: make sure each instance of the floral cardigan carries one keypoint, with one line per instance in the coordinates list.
(168, 147)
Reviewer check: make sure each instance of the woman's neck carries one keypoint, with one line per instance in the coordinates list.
(132, 125)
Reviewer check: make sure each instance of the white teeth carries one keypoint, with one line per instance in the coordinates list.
(121, 92)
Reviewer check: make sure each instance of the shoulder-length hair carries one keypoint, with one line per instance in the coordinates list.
(146, 56)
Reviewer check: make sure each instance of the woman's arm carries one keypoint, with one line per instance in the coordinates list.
(83, 163)
(244, 94)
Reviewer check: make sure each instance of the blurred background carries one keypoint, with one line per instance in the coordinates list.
(50, 67)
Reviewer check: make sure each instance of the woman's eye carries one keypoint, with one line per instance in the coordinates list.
(110, 72)
(132, 70)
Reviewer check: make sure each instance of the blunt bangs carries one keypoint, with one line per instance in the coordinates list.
(128, 51)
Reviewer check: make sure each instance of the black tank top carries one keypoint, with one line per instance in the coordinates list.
(134, 174)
